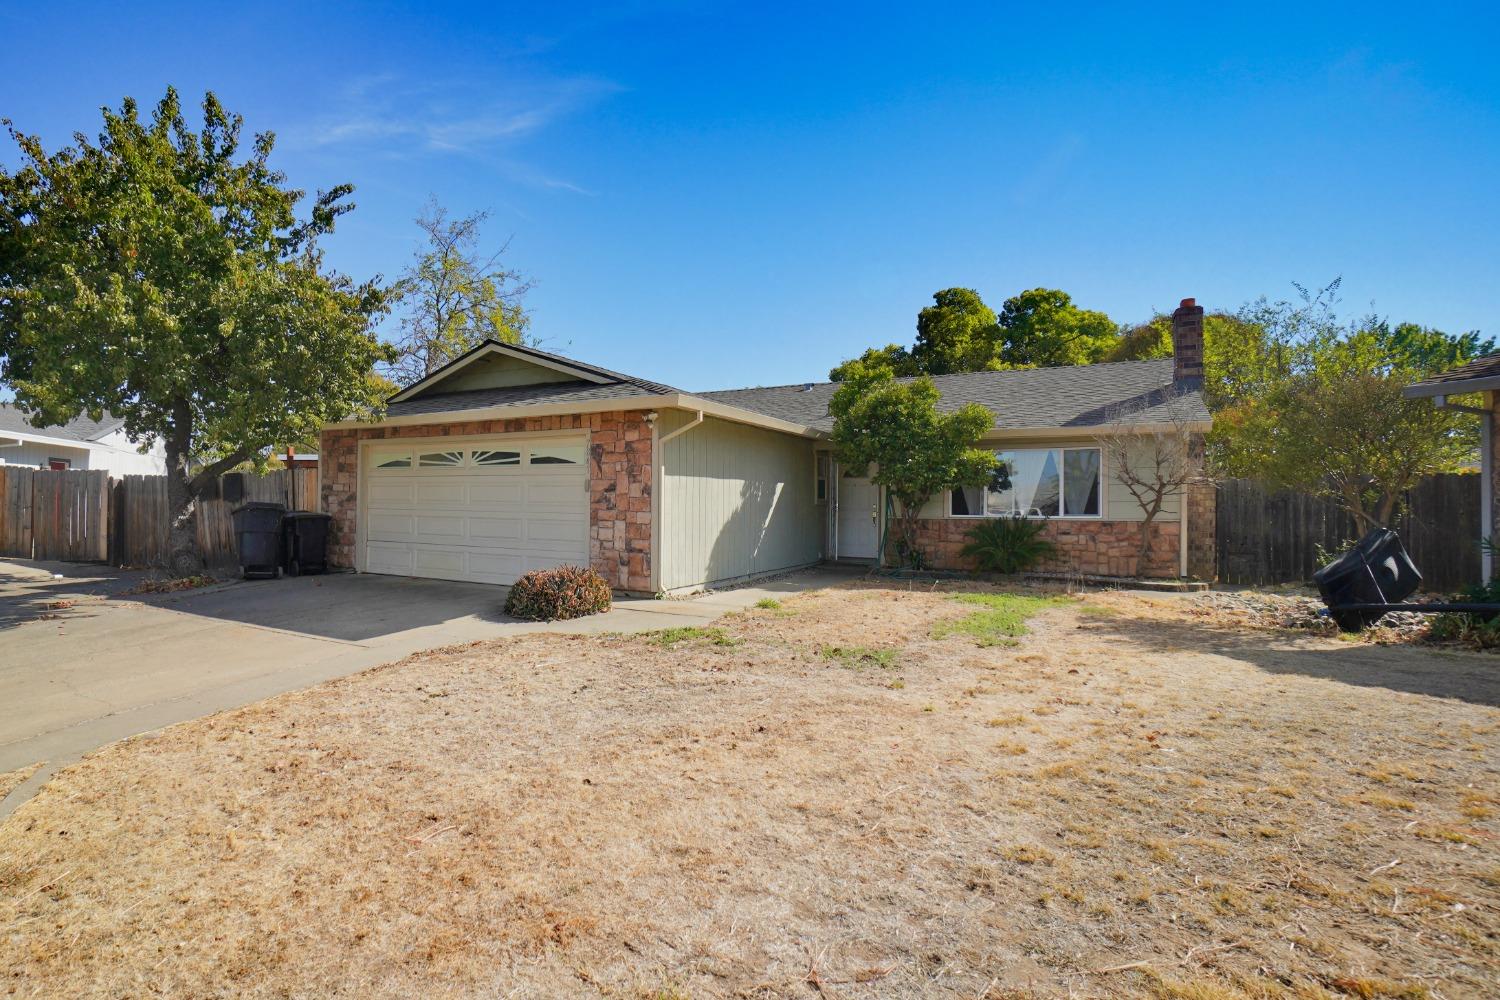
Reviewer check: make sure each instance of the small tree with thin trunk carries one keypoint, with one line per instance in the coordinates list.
(894, 430)
(159, 275)
(1154, 462)
(453, 297)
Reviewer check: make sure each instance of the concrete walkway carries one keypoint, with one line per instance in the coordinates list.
(83, 663)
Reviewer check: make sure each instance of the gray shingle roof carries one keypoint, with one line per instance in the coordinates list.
(1487, 367)
(516, 395)
(615, 378)
(1081, 396)
(80, 428)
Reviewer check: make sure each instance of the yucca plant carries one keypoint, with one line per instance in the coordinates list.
(1008, 544)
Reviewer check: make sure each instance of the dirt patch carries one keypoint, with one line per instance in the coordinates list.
(1128, 801)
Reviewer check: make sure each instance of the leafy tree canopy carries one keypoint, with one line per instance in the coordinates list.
(960, 333)
(1326, 414)
(1042, 328)
(452, 297)
(164, 275)
(895, 432)
(956, 333)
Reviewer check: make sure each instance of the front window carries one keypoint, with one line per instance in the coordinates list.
(1035, 482)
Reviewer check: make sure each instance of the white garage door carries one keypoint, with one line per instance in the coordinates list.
(485, 511)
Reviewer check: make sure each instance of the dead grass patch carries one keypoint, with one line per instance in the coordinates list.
(1197, 814)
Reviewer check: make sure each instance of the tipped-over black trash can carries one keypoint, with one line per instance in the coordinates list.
(304, 542)
(1376, 571)
(257, 531)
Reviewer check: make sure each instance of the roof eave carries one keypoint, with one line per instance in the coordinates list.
(676, 400)
(1456, 387)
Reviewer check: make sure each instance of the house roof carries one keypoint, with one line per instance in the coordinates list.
(517, 395)
(1122, 392)
(587, 373)
(1477, 376)
(80, 428)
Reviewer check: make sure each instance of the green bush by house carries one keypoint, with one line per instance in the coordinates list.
(1008, 545)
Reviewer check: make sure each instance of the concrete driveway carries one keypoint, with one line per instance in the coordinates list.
(84, 663)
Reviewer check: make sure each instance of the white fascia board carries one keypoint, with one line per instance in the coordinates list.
(21, 437)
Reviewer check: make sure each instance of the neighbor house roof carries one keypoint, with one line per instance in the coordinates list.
(1478, 375)
(80, 428)
(1124, 392)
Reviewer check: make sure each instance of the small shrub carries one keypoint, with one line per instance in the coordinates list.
(556, 594)
(768, 604)
(1008, 544)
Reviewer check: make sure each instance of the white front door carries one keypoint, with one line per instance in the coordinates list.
(858, 518)
(483, 510)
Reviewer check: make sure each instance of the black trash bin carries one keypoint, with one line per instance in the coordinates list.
(1376, 570)
(257, 531)
(304, 542)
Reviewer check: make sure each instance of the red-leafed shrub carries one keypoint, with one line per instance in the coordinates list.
(553, 594)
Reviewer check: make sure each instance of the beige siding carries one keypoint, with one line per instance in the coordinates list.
(1118, 504)
(498, 371)
(735, 501)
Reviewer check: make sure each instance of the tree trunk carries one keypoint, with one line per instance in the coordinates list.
(1143, 556)
(183, 558)
(182, 535)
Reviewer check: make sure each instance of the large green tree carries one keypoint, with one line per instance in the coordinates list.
(956, 334)
(1038, 328)
(165, 275)
(894, 431)
(1042, 328)
(1335, 422)
(453, 296)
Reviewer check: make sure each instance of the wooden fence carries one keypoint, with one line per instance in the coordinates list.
(1266, 537)
(84, 516)
(138, 532)
(54, 515)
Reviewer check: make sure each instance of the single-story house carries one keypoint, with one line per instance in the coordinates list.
(510, 459)
(1479, 377)
(81, 443)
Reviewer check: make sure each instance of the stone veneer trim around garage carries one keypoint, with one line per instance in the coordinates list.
(620, 476)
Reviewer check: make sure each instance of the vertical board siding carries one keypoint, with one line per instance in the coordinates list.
(736, 501)
(1275, 537)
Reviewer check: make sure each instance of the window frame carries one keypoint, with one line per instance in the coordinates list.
(1062, 488)
(822, 473)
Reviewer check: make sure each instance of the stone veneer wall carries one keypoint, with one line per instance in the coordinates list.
(619, 484)
(1105, 548)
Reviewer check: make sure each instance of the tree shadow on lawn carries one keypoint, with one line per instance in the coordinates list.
(1432, 671)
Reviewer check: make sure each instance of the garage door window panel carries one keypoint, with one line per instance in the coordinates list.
(557, 454)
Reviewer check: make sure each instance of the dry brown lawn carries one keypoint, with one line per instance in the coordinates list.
(818, 800)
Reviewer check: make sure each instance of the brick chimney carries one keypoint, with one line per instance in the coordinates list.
(1187, 344)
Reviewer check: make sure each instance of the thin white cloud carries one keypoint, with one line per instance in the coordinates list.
(384, 114)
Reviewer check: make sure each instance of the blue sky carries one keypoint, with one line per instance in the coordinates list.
(716, 196)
